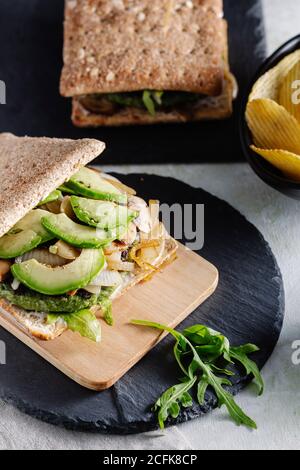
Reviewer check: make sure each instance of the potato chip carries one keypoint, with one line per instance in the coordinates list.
(272, 126)
(287, 162)
(268, 85)
(289, 91)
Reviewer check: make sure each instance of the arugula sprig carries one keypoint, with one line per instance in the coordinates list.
(198, 351)
(151, 99)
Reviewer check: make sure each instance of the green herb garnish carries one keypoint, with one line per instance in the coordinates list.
(84, 322)
(151, 100)
(106, 307)
(199, 351)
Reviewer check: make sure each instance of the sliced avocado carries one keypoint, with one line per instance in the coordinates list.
(64, 189)
(16, 244)
(75, 234)
(101, 214)
(89, 183)
(59, 280)
(27, 234)
(32, 221)
(52, 197)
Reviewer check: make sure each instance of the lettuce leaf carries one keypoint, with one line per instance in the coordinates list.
(84, 322)
(106, 307)
(152, 100)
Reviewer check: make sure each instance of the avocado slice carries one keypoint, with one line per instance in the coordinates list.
(59, 280)
(27, 234)
(101, 214)
(16, 244)
(89, 183)
(32, 221)
(64, 189)
(52, 197)
(78, 235)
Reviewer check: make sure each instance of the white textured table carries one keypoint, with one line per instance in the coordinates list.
(278, 411)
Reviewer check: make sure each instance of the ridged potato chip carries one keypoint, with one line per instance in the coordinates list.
(288, 163)
(272, 126)
(268, 85)
(289, 91)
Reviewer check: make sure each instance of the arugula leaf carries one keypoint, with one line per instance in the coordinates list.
(201, 389)
(225, 398)
(130, 99)
(169, 402)
(157, 96)
(148, 102)
(84, 322)
(196, 351)
(240, 355)
(106, 307)
(208, 342)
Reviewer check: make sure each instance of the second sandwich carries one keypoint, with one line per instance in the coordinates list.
(144, 62)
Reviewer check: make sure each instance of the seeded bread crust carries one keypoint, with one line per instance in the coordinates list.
(128, 45)
(32, 167)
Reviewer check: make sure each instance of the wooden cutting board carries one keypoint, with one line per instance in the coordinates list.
(168, 298)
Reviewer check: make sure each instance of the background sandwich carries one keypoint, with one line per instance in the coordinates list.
(72, 239)
(143, 62)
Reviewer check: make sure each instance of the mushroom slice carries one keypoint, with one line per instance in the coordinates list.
(4, 268)
(131, 234)
(66, 208)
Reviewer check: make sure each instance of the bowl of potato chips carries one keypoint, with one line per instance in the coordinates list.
(270, 121)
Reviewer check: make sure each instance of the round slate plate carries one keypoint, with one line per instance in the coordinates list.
(248, 306)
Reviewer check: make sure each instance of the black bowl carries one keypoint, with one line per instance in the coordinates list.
(262, 168)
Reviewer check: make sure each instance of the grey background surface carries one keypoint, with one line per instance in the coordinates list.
(278, 411)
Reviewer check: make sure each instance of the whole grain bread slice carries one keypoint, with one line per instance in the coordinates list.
(32, 167)
(128, 45)
(35, 323)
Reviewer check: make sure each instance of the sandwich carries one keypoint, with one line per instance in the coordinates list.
(144, 62)
(72, 238)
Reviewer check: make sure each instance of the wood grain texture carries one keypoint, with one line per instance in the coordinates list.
(168, 298)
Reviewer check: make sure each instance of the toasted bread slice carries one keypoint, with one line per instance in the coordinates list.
(35, 323)
(118, 46)
(32, 167)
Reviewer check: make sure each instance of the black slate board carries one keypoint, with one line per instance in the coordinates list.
(248, 306)
(30, 64)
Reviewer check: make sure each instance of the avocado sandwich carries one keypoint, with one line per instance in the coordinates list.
(146, 61)
(72, 238)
